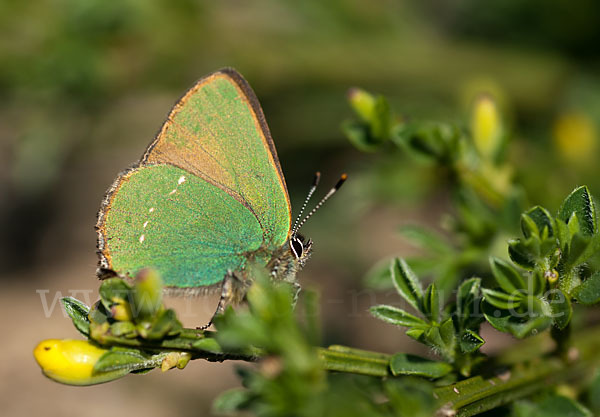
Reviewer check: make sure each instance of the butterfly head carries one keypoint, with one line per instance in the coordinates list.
(300, 248)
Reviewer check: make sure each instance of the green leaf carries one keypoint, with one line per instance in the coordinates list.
(78, 312)
(520, 253)
(502, 300)
(426, 239)
(519, 325)
(378, 276)
(123, 329)
(581, 203)
(208, 344)
(431, 303)
(448, 335)
(538, 281)
(416, 333)
(588, 292)
(470, 341)
(529, 226)
(560, 307)
(359, 135)
(551, 405)
(581, 249)
(431, 140)
(506, 276)
(164, 324)
(232, 400)
(126, 360)
(98, 313)
(542, 219)
(406, 282)
(564, 237)
(380, 122)
(397, 316)
(406, 364)
(578, 249)
(433, 338)
(467, 300)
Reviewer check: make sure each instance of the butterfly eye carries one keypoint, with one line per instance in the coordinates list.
(297, 247)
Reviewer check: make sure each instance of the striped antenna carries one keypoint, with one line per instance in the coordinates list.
(310, 193)
(323, 200)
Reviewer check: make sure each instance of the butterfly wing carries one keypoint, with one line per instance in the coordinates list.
(212, 180)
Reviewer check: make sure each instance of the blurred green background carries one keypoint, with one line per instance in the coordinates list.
(85, 85)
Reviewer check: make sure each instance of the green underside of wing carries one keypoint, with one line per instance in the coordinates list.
(187, 229)
(216, 133)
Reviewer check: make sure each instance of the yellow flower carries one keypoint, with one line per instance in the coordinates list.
(72, 362)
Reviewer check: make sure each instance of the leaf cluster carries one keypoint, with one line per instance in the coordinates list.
(452, 332)
(554, 251)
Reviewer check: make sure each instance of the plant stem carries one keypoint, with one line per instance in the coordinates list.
(345, 359)
(476, 395)
(528, 367)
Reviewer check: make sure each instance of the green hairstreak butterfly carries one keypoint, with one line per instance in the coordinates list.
(207, 197)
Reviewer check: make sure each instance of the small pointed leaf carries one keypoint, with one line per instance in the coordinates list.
(396, 316)
(502, 300)
(78, 312)
(542, 219)
(467, 299)
(406, 282)
(509, 279)
(126, 360)
(588, 292)
(431, 303)
(470, 341)
(520, 254)
(560, 307)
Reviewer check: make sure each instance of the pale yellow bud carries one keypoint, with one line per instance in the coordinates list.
(486, 127)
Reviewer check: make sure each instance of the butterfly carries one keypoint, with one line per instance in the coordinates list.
(207, 199)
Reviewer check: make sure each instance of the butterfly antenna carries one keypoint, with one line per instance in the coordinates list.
(323, 200)
(310, 193)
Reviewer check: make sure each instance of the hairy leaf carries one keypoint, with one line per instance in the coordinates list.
(406, 282)
(397, 316)
(581, 203)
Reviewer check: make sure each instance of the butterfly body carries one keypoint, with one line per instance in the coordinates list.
(206, 200)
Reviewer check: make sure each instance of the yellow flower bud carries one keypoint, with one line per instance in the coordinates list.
(120, 310)
(575, 137)
(147, 293)
(486, 127)
(72, 362)
(362, 102)
(175, 359)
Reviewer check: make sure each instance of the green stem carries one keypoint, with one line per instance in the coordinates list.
(345, 359)
(476, 395)
(528, 367)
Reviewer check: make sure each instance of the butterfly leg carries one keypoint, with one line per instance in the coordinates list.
(233, 291)
(296, 288)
